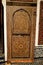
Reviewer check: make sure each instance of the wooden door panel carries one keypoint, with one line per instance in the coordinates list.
(20, 33)
(21, 22)
(22, 46)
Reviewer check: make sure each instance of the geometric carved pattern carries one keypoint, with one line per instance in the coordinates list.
(20, 46)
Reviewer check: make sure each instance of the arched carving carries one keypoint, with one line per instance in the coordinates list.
(21, 34)
(21, 21)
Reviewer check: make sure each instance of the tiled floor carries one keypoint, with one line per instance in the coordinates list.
(38, 52)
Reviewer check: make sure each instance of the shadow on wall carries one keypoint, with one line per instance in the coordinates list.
(1, 29)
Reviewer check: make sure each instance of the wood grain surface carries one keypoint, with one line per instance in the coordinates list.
(21, 22)
(41, 24)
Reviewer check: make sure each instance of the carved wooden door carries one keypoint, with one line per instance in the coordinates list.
(20, 33)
